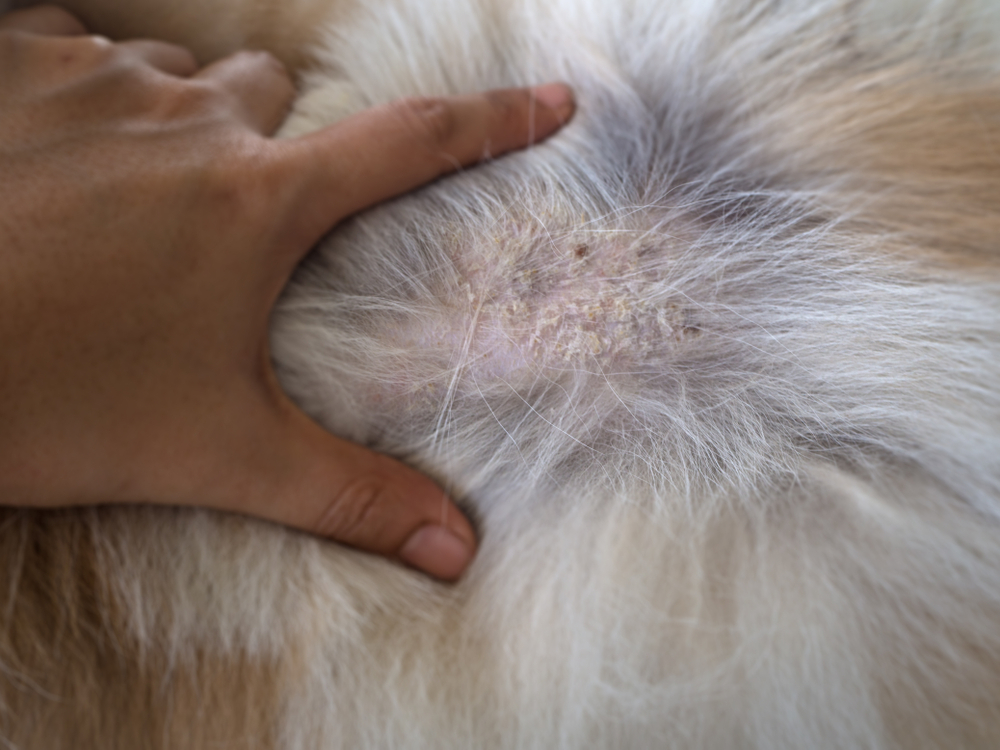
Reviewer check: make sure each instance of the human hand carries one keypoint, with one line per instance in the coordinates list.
(147, 225)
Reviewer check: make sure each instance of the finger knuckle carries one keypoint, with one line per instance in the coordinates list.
(264, 61)
(276, 74)
(507, 109)
(260, 64)
(88, 52)
(431, 120)
(187, 56)
(182, 99)
(51, 60)
(357, 513)
(68, 57)
(182, 57)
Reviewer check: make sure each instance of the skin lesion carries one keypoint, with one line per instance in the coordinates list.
(525, 302)
(551, 301)
(528, 304)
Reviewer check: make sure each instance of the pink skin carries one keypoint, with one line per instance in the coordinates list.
(149, 223)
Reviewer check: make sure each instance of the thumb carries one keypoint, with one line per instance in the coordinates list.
(308, 479)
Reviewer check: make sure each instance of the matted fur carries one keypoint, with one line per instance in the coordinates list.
(716, 369)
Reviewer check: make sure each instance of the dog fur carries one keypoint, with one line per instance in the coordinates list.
(716, 370)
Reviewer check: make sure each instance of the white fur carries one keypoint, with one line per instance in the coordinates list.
(736, 464)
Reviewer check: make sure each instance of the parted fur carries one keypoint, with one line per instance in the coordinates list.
(716, 370)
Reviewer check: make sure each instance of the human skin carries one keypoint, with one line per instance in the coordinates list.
(148, 223)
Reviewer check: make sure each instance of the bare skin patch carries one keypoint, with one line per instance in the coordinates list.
(526, 301)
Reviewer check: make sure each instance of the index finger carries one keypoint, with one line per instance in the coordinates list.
(388, 150)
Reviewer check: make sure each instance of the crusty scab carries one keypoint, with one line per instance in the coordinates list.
(533, 300)
(716, 369)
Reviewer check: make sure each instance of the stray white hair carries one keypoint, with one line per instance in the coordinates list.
(716, 370)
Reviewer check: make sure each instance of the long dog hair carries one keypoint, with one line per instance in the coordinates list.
(716, 370)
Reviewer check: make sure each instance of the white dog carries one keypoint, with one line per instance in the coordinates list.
(716, 369)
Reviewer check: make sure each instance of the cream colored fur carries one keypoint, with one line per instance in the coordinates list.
(716, 369)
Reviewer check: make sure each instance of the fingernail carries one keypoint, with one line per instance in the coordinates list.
(436, 551)
(557, 96)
